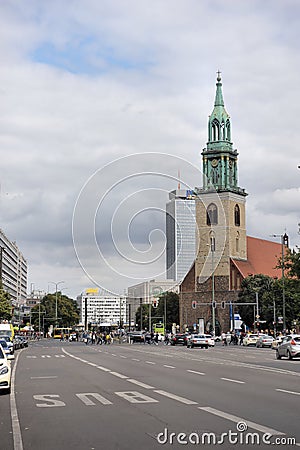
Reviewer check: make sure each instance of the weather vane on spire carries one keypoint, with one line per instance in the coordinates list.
(219, 75)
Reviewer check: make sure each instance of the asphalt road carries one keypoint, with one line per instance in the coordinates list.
(72, 396)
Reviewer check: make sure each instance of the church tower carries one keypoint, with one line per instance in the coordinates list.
(220, 206)
(225, 255)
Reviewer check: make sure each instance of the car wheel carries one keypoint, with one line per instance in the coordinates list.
(192, 346)
(289, 356)
(278, 356)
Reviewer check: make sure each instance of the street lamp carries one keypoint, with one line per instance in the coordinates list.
(56, 284)
(213, 303)
(284, 241)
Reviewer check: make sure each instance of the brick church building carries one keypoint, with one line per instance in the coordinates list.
(225, 254)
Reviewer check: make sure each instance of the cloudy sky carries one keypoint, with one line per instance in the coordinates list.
(102, 102)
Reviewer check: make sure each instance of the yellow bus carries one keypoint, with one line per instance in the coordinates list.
(58, 332)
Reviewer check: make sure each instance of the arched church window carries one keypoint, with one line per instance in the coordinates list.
(212, 242)
(237, 242)
(228, 136)
(214, 176)
(237, 216)
(212, 214)
(216, 130)
(223, 131)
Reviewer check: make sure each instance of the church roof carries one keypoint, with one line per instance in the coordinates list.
(262, 258)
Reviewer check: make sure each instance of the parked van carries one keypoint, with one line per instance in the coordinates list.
(6, 329)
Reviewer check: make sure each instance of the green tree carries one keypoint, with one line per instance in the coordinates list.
(168, 302)
(5, 304)
(292, 263)
(45, 312)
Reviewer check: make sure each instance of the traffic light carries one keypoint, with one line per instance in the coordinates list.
(223, 304)
(214, 304)
(194, 304)
(155, 303)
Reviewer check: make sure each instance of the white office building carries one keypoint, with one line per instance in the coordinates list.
(13, 270)
(101, 310)
(180, 233)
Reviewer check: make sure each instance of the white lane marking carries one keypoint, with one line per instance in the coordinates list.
(45, 356)
(30, 356)
(16, 430)
(169, 367)
(255, 426)
(233, 381)
(139, 383)
(150, 362)
(112, 354)
(59, 356)
(50, 399)
(287, 392)
(42, 378)
(122, 356)
(136, 397)
(103, 368)
(176, 397)
(119, 375)
(197, 373)
(134, 359)
(87, 401)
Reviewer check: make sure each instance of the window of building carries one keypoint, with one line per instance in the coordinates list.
(237, 243)
(237, 216)
(212, 214)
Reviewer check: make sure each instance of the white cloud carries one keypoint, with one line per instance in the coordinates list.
(85, 84)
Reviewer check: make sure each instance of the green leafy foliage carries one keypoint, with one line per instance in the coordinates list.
(45, 312)
(167, 302)
(5, 304)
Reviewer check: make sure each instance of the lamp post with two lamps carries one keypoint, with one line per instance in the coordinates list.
(56, 284)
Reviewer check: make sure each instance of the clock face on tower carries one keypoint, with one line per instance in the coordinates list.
(214, 162)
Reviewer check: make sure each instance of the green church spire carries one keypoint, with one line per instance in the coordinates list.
(219, 95)
(219, 158)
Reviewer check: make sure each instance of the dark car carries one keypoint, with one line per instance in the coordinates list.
(23, 340)
(136, 336)
(179, 339)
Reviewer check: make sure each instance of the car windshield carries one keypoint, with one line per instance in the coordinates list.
(1, 354)
(3, 343)
(297, 338)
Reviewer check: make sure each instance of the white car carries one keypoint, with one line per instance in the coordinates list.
(211, 341)
(250, 339)
(5, 371)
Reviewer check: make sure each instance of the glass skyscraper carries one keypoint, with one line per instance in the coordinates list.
(180, 233)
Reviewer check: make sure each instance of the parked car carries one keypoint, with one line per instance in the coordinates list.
(290, 347)
(264, 341)
(5, 371)
(9, 343)
(250, 339)
(179, 339)
(198, 340)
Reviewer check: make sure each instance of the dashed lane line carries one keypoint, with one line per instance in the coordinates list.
(195, 372)
(139, 383)
(287, 392)
(176, 397)
(233, 381)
